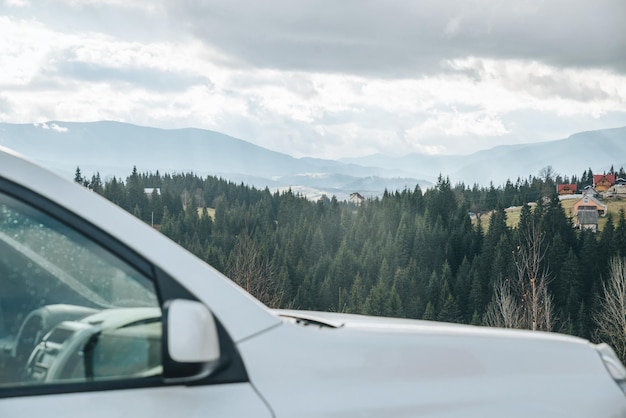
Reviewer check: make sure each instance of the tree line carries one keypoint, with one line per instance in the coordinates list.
(412, 253)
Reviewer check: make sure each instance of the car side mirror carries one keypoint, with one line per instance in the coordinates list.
(191, 343)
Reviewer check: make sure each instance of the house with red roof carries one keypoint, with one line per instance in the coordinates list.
(565, 189)
(603, 182)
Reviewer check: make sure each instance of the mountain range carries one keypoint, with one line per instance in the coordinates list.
(113, 148)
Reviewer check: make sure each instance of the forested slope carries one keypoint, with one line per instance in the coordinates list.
(411, 253)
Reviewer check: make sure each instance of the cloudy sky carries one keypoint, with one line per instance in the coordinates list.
(323, 78)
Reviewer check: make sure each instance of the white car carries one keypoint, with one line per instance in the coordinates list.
(102, 316)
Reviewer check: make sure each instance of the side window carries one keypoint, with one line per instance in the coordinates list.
(70, 311)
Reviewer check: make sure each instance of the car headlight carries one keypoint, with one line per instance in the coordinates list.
(613, 365)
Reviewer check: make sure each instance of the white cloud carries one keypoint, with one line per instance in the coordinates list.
(17, 3)
(23, 51)
(459, 124)
(508, 85)
(145, 6)
(453, 105)
(52, 126)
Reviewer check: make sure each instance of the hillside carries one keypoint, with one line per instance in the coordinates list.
(513, 213)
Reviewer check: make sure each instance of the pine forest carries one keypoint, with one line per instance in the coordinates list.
(414, 253)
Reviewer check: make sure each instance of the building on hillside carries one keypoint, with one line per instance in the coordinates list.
(588, 202)
(602, 182)
(356, 198)
(149, 190)
(617, 191)
(564, 189)
(590, 191)
(587, 219)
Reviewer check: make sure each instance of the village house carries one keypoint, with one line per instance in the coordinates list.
(618, 191)
(589, 202)
(566, 189)
(602, 182)
(590, 191)
(356, 198)
(149, 190)
(587, 210)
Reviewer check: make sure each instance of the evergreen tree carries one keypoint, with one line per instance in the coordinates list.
(96, 183)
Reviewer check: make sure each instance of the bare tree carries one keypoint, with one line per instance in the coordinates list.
(251, 269)
(547, 173)
(504, 311)
(610, 319)
(533, 278)
(549, 177)
(524, 302)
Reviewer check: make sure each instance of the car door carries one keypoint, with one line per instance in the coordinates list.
(81, 326)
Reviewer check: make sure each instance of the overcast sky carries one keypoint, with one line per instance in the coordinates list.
(323, 78)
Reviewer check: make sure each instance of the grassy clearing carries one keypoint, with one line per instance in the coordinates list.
(512, 217)
(210, 211)
(513, 213)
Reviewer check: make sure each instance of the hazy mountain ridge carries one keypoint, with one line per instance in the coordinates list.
(597, 150)
(113, 148)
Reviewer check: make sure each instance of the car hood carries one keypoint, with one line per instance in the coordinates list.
(422, 327)
(370, 366)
